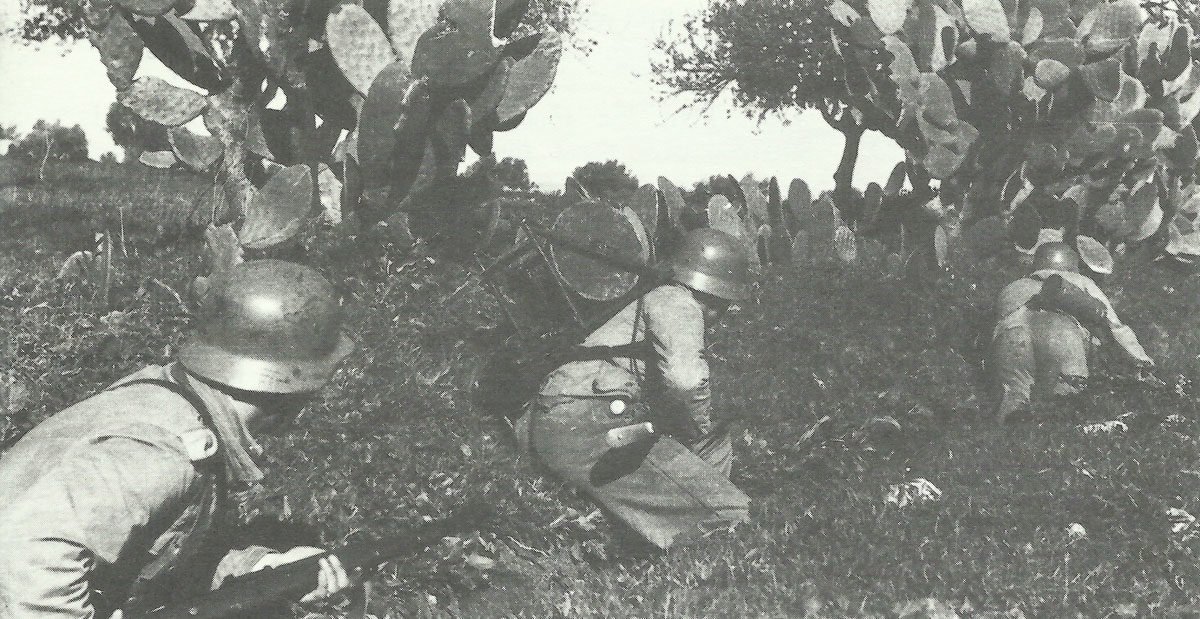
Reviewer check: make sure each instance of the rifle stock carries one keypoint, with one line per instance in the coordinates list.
(288, 583)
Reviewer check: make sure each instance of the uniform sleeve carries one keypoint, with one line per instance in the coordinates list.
(239, 563)
(1121, 332)
(675, 327)
(82, 513)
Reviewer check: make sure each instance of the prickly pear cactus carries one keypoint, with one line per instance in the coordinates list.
(1077, 118)
(381, 99)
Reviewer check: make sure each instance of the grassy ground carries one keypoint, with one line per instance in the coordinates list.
(841, 383)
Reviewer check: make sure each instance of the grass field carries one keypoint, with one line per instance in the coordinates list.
(841, 383)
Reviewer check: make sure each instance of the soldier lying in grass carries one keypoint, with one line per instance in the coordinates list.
(1044, 331)
(650, 353)
(113, 502)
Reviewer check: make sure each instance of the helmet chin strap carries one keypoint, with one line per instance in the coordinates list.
(260, 411)
(714, 307)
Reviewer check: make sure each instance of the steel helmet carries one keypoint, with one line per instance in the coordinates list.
(1056, 255)
(268, 326)
(713, 262)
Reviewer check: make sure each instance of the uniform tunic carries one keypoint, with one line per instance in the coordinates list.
(1032, 347)
(116, 496)
(664, 487)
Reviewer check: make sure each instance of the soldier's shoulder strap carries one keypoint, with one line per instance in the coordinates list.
(201, 443)
(640, 350)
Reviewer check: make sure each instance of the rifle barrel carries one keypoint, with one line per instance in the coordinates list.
(290, 582)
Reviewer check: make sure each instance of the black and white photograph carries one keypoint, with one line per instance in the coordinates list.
(389, 309)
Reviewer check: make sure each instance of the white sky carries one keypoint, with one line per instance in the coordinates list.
(603, 106)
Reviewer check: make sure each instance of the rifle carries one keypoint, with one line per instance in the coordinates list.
(257, 590)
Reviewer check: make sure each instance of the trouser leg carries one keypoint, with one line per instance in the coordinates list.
(1060, 349)
(717, 450)
(658, 487)
(1013, 367)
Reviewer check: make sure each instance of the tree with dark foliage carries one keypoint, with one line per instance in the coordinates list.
(609, 179)
(50, 142)
(773, 57)
(513, 174)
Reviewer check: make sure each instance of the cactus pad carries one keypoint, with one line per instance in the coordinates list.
(1005, 70)
(801, 249)
(722, 215)
(1113, 24)
(574, 191)
(938, 38)
(274, 36)
(531, 77)
(223, 247)
(330, 189)
(412, 133)
(450, 137)
(1103, 78)
(775, 217)
(1143, 215)
(157, 101)
(1179, 55)
(1032, 29)
(845, 244)
(732, 189)
(358, 45)
(509, 14)
(944, 158)
(888, 15)
(987, 17)
(756, 203)
(1064, 50)
(799, 201)
(484, 105)
(198, 152)
(1183, 241)
(644, 204)
(639, 228)
(381, 110)
(895, 182)
(872, 203)
(1184, 151)
(459, 48)
(1094, 255)
(277, 212)
(1024, 226)
(147, 7)
(211, 10)
(161, 159)
(407, 20)
(120, 50)
(904, 72)
(1051, 73)
(673, 199)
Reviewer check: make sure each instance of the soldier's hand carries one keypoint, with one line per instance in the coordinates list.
(332, 578)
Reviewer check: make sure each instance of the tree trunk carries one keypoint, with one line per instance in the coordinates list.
(45, 156)
(843, 178)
